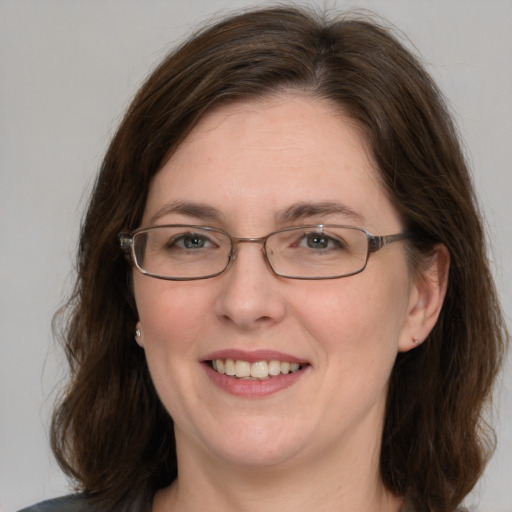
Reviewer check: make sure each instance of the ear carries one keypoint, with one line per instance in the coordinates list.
(426, 298)
(138, 335)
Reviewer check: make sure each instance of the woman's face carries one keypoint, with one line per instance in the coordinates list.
(244, 169)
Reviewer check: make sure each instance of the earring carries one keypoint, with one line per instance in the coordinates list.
(415, 341)
(137, 333)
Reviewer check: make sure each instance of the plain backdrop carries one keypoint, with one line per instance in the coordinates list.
(67, 71)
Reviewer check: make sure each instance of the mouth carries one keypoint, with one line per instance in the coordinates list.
(258, 370)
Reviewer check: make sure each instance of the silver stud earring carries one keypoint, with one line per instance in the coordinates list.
(137, 333)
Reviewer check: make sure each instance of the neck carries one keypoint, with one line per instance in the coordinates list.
(334, 483)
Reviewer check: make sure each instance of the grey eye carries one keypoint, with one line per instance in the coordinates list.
(320, 241)
(190, 241)
(316, 241)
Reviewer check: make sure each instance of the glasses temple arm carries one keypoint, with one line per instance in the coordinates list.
(125, 241)
(378, 242)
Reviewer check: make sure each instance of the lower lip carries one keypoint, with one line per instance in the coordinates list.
(253, 388)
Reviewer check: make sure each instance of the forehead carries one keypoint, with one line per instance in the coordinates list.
(287, 121)
(268, 154)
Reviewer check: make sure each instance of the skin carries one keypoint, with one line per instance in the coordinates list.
(315, 444)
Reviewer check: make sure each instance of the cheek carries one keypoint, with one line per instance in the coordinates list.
(357, 317)
(170, 316)
(170, 313)
(354, 328)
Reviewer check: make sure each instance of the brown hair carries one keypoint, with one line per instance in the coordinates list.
(110, 431)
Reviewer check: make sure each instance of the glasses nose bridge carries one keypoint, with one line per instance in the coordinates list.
(253, 240)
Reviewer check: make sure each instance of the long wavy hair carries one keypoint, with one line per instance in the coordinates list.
(110, 432)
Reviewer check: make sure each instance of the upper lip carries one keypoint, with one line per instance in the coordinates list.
(253, 356)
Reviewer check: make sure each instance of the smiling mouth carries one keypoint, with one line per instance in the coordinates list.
(259, 370)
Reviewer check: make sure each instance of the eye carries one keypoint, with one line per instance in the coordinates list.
(190, 241)
(320, 241)
(317, 241)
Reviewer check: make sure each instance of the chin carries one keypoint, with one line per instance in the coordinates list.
(257, 443)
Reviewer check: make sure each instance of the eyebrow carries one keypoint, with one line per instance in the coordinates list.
(293, 213)
(190, 209)
(302, 210)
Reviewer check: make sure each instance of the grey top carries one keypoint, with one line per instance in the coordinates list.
(72, 503)
(77, 503)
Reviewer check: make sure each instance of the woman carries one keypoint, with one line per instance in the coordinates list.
(283, 297)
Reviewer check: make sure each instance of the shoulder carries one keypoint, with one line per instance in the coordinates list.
(72, 503)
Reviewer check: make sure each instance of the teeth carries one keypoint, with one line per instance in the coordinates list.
(242, 369)
(229, 367)
(259, 370)
(274, 368)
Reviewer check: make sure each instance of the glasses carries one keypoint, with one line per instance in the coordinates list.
(181, 252)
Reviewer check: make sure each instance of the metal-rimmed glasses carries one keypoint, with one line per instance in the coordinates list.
(183, 252)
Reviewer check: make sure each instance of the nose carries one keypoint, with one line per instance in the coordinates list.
(250, 296)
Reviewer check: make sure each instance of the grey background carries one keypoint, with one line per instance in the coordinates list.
(67, 71)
